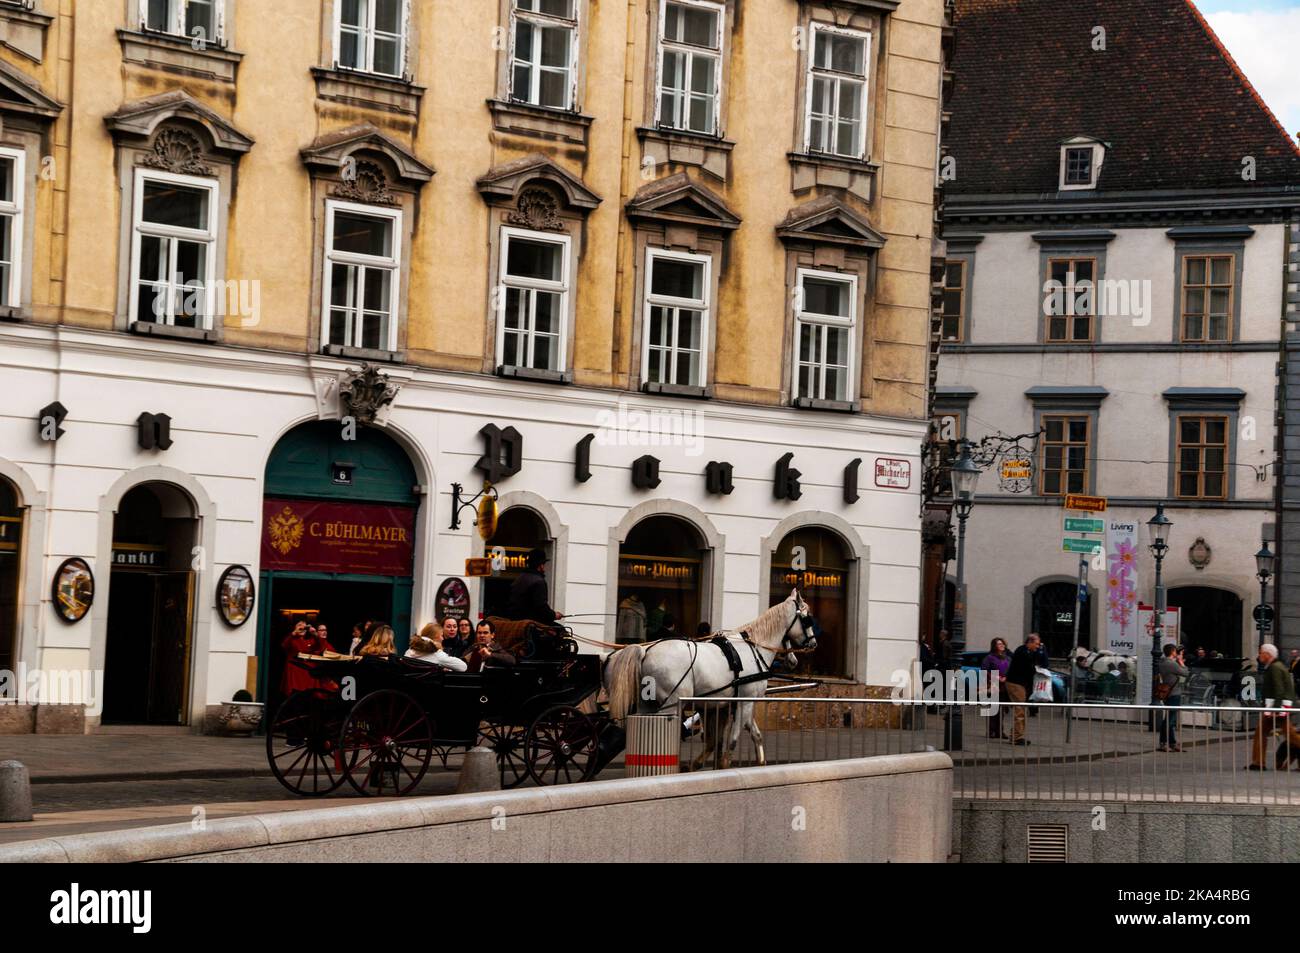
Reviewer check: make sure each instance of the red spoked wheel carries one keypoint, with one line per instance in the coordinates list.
(302, 744)
(386, 744)
(560, 746)
(508, 743)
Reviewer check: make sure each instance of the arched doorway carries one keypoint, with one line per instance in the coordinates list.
(150, 607)
(11, 551)
(519, 529)
(1209, 618)
(1052, 608)
(821, 574)
(660, 579)
(338, 539)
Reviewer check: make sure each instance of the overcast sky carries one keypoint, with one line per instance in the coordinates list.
(1263, 36)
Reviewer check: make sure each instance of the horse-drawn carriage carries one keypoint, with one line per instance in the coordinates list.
(382, 720)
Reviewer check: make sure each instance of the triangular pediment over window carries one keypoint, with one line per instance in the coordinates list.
(138, 120)
(504, 184)
(679, 200)
(829, 221)
(22, 95)
(330, 151)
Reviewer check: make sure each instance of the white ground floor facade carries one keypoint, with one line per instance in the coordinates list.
(230, 408)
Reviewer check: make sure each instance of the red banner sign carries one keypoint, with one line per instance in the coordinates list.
(311, 536)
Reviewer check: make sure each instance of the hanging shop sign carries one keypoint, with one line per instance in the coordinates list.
(73, 589)
(477, 566)
(452, 599)
(1016, 474)
(235, 596)
(314, 536)
(893, 474)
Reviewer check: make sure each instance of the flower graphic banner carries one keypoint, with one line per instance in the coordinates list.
(1122, 624)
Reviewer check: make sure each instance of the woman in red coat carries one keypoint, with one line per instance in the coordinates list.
(300, 640)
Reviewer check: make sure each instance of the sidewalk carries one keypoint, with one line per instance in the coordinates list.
(127, 757)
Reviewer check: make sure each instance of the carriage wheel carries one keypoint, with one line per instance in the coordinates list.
(386, 744)
(560, 746)
(302, 742)
(508, 743)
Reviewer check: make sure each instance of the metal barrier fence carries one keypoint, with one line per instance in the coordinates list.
(1080, 752)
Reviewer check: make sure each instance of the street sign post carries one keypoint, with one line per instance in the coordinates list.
(1076, 545)
(1075, 524)
(1085, 504)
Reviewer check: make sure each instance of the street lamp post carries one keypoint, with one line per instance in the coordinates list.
(965, 474)
(1159, 526)
(1264, 572)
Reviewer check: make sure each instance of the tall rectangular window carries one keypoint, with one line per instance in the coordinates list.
(370, 35)
(1070, 299)
(1065, 454)
(12, 194)
(543, 55)
(825, 316)
(690, 66)
(676, 318)
(362, 272)
(1202, 458)
(534, 299)
(173, 249)
(1207, 297)
(194, 19)
(837, 92)
(954, 300)
(1078, 166)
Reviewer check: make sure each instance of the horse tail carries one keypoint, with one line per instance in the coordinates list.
(623, 680)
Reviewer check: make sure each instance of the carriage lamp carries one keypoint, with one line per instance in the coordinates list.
(965, 474)
(485, 512)
(1264, 572)
(1264, 564)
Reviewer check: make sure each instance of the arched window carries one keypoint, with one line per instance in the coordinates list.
(11, 536)
(1053, 608)
(660, 567)
(1209, 618)
(814, 560)
(519, 530)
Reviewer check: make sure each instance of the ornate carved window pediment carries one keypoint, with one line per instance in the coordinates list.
(177, 150)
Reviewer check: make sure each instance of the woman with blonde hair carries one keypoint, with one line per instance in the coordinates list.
(381, 642)
(427, 647)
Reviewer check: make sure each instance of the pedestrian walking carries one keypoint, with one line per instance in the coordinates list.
(1020, 682)
(1279, 692)
(1171, 672)
(995, 664)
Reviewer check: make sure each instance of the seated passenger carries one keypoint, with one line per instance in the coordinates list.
(427, 647)
(486, 650)
(381, 643)
(456, 637)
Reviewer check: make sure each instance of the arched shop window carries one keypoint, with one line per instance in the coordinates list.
(660, 567)
(11, 535)
(823, 580)
(519, 530)
(1053, 618)
(1208, 618)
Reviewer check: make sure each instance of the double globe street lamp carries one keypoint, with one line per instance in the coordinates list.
(965, 475)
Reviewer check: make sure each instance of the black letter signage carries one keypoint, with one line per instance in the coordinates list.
(154, 431)
(717, 478)
(787, 479)
(851, 481)
(49, 421)
(503, 453)
(582, 459)
(645, 472)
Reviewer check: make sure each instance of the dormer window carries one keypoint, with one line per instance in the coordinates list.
(1081, 160)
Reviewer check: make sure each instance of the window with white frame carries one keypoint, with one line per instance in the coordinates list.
(362, 272)
(837, 92)
(543, 52)
(676, 318)
(534, 300)
(690, 66)
(194, 19)
(12, 164)
(370, 35)
(1081, 161)
(825, 315)
(173, 249)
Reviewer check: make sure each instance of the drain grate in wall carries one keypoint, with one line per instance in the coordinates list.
(1048, 843)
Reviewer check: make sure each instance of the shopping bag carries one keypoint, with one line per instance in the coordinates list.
(1042, 686)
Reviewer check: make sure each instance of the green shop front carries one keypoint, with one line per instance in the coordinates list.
(338, 540)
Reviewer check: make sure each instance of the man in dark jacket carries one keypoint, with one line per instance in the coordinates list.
(1277, 690)
(530, 595)
(1020, 682)
(486, 651)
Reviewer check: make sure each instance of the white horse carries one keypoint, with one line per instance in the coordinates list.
(650, 677)
(1102, 663)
